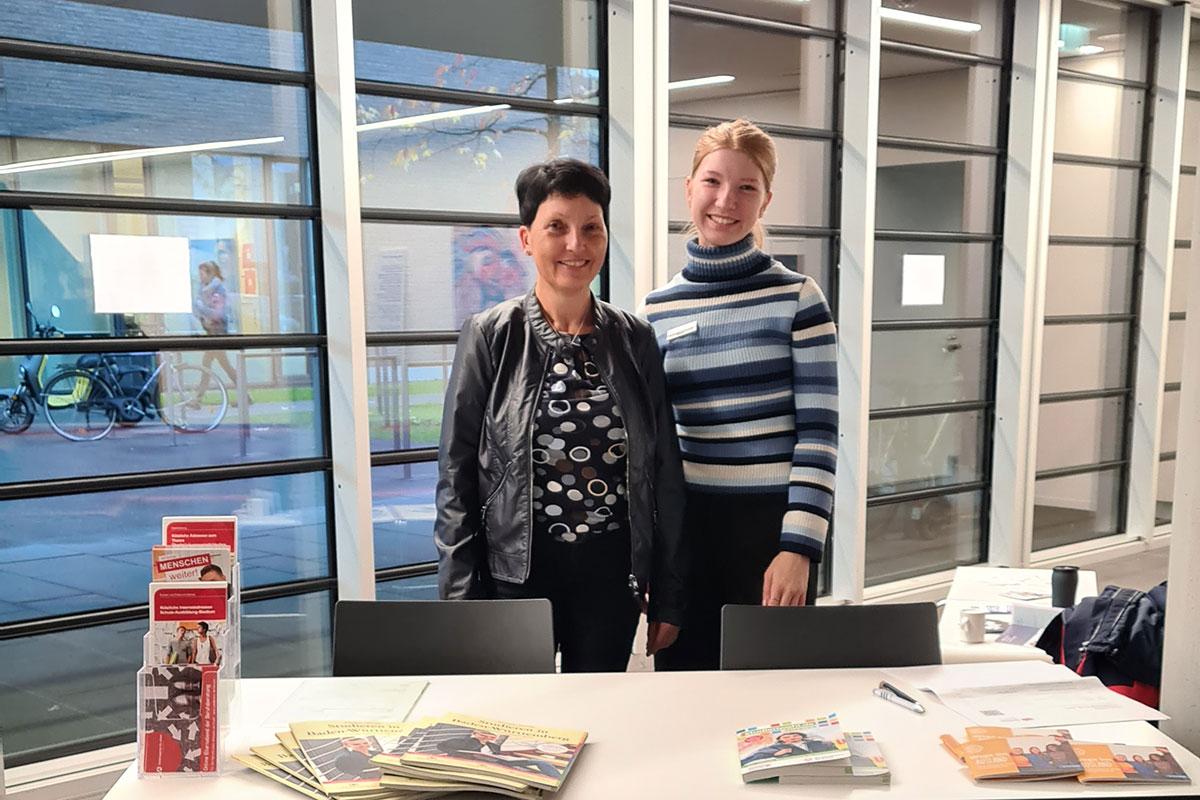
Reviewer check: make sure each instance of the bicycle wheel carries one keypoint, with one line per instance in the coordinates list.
(79, 406)
(16, 413)
(191, 399)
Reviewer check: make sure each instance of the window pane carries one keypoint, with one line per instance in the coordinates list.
(1093, 201)
(403, 508)
(817, 13)
(406, 387)
(67, 689)
(800, 188)
(117, 416)
(1180, 273)
(432, 277)
(73, 128)
(982, 16)
(913, 453)
(807, 256)
(1186, 207)
(1080, 432)
(464, 160)
(1104, 38)
(922, 536)
(1096, 119)
(1089, 280)
(1077, 358)
(1166, 492)
(966, 273)
(789, 80)
(929, 98)
(912, 368)
(423, 587)
(1174, 355)
(1170, 422)
(259, 279)
(922, 191)
(261, 33)
(96, 554)
(1191, 113)
(1075, 509)
(524, 48)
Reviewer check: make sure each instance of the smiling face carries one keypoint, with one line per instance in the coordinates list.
(726, 195)
(567, 239)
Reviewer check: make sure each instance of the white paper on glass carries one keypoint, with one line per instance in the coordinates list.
(140, 274)
(923, 280)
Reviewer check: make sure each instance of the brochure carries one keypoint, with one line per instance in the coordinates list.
(190, 563)
(265, 767)
(201, 531)
(189, 622)
(1024, 757)
(866, 765)
(1132, 763)
(179, 725)
(770, 751)
(339, 753)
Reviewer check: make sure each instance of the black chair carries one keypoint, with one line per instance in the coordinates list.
(827, 637)
(442, 637)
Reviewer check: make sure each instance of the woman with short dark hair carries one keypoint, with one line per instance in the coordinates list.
(559, 471)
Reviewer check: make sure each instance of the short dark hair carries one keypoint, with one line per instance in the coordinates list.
(210, 568)
(569, 177)
(204, 627)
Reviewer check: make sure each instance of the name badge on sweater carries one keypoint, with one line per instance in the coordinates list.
(679, 331)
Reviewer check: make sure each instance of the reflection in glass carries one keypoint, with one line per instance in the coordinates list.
(95, 553)
(929, 98)
(140, 274)
(432, 277)
(815, 13)
(925, 191)
(807, 256)
(1080, 432)
(72, 688)
(969, 26)
(912, 368)
(911, 453)
(423, 587)
(1093, 201)
(403, 511)
(75, 128)
(261, 33)
(523, 48)
(1089, 280)
(789, 80)
(405, 390)
(800, 189)
(1076, 508)
(430, 155)
(1104, 38)
(141, 412)
(1096, 119)
(1077, 358)
(966, 290)
(922, 536)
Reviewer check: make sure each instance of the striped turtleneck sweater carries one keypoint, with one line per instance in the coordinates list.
(750, 356)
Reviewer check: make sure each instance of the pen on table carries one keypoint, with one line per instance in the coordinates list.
(886, 691)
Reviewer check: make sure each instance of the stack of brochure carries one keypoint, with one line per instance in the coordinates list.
(813, 751)
(991, 753)
(423, 759)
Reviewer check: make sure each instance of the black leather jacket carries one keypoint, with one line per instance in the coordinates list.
(484, 526)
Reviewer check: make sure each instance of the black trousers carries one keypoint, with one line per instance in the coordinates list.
(734, 539)
(587, 583)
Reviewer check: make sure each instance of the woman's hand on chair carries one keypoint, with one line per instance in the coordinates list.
(785, 583)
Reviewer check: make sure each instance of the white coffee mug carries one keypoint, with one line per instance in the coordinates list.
(971, 624)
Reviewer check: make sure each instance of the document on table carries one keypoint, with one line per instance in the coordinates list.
(1023, 694)
(357, 699)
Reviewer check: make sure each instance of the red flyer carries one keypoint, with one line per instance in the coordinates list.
(189, 623)
(179, 719)
(200, 531)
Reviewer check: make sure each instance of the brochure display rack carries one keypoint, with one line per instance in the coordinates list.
(191, 656)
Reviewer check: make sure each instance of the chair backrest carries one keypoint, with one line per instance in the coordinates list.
(827, 637)
(442, 637)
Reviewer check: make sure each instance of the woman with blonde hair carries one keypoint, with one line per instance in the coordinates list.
(750, 357)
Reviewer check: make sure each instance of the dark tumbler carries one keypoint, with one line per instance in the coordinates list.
(1063, 583)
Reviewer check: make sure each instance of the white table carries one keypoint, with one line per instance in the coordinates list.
(980, 586)
(671, 735)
